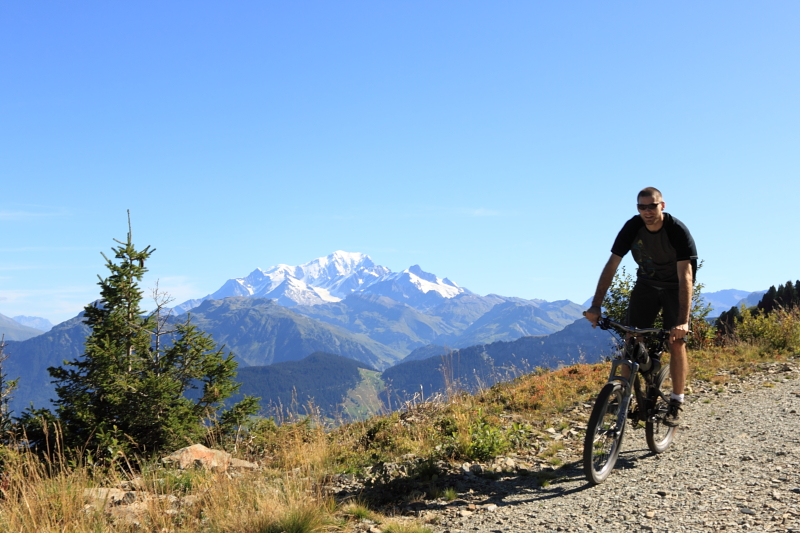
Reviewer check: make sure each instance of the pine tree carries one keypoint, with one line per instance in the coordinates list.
(789, 296)
(797, 293)
(726, 323)
(129, 389)
(768, 301)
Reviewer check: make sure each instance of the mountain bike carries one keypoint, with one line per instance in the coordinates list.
(643, 398)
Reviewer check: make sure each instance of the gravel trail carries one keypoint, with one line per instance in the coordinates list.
(735, 465)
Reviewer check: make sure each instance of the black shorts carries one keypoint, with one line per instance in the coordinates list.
(645, 303)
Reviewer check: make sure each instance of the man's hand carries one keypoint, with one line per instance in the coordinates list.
(592, 315)
(678, 333)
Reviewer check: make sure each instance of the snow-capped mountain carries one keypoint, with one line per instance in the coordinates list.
(415, 287)
(332, 278)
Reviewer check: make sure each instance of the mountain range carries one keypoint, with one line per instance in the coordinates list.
(723, 300)
(331, 279)
(342, 304)
(13, 330)
(392, 325)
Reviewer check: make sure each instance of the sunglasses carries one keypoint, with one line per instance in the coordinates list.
(648, 207)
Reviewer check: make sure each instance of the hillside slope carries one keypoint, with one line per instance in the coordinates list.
(322, 380)
(483, 365)
(29, 360)
(12, 330)
(260, 332)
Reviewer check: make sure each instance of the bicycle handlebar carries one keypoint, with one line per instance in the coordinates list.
(606, 323)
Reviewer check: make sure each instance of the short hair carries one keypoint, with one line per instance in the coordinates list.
(651, 191)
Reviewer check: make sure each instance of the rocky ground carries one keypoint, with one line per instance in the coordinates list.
(735, 465)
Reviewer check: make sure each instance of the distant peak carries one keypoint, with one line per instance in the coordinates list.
(417, 271)
(350, 257)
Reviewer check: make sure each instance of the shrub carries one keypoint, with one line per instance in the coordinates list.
(487, 441)
(778, 330)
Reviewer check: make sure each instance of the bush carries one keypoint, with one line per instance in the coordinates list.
(487, 441)
(778, 330)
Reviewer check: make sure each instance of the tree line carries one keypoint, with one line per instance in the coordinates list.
(785, 297)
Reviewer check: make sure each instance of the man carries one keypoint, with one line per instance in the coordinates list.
(667, 257)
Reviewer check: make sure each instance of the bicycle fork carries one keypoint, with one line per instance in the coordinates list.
(616, 375)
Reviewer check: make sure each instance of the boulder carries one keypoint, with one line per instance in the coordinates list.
(198, 456)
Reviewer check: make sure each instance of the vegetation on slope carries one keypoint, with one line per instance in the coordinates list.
(321, 379)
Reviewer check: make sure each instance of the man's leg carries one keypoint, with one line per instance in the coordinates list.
(678, 366)
(678, 361)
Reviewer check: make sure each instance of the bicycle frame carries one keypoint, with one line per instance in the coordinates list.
(621, 361)
(627, 384)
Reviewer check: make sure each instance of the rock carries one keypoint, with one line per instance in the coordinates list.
(240, 464)
(109, 496)
(197, 455)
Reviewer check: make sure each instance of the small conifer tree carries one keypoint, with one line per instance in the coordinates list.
(129, 389)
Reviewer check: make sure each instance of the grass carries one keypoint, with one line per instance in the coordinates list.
(359, 510)
(49, 495)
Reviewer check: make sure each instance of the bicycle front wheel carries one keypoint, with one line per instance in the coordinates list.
(604, 434)
(659, 435)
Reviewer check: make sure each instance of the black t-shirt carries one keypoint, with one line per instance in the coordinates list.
(657, 254)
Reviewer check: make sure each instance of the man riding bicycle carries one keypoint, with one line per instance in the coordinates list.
(667, 257)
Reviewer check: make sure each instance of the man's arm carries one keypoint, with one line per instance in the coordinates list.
(606, 278)
(685, 282)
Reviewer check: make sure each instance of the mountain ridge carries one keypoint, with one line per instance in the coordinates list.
(12, 330)
(332, 278)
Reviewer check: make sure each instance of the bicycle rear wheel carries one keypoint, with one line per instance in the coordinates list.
(659, 435)
(603, 434)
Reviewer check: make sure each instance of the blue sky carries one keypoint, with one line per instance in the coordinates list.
(500, 144)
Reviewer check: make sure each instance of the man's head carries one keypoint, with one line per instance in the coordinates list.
(651, 191)
(651, 205)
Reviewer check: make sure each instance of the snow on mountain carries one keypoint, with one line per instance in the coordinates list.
(415, 287)
(293, 291)
(325, 279)
(424, 282)
(341, 272)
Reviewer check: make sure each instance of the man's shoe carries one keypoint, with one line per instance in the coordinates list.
(673, 418)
